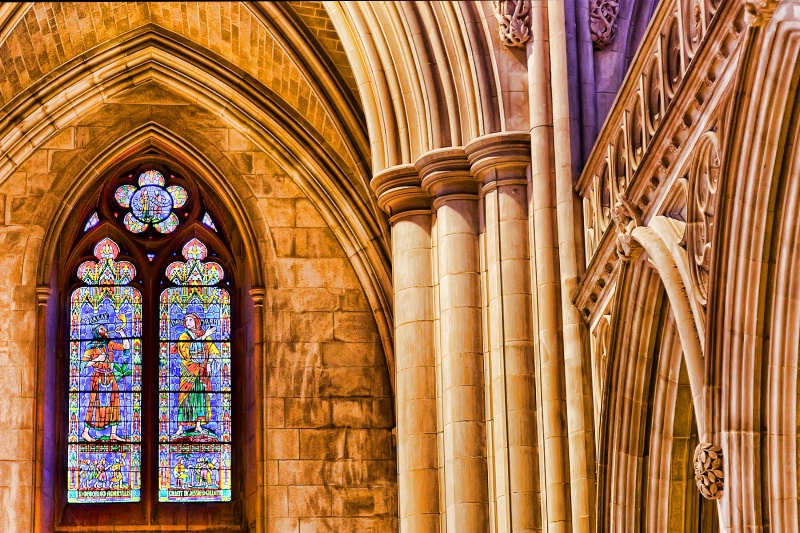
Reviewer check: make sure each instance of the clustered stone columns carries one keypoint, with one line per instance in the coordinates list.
(446, 175)
(464, 335)
(500, 162)
(415, 362)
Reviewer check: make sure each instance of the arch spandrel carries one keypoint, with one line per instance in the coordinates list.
(298, 90)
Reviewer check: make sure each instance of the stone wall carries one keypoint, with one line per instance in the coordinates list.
(330, 459)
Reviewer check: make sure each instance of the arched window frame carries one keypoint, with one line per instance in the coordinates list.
(150, 280)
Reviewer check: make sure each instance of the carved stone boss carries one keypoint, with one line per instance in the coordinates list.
(603, 21)
(708, 472)
(514, 18)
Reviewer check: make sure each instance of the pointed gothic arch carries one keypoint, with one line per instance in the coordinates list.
(70, 240)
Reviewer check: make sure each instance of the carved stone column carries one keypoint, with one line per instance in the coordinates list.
(400, 194)
(500, 162)
(254, 508)
(543, 219)
(42, 495)
(446, 176)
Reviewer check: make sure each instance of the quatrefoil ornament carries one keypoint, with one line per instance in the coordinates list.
(150, 203)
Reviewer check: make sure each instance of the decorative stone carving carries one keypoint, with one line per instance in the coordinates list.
(703, 178)
(514, 19)
(603, 21)
(626, 217)
(758, 12)
(708, 472)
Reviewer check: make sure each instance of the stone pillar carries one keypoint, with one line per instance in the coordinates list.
(43, 497)
(577, 357)
(551, 390)
(446, 175)
(256, 510)
(400, 194)
(500, 162)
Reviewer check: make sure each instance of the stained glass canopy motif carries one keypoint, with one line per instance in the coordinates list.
(150, 203)
(105, 382)
(194, 381)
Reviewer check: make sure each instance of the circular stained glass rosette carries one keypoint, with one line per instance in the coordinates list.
(168, 225)
(133, 224)
(151, 204)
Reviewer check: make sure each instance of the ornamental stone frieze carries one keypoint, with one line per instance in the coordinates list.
(603, 21)
(514, 20)
(708, 472)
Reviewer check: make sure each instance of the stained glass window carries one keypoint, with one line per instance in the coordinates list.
(92, 222)
(105, 367)
(208, 222)
(194, 381)
(150, 203)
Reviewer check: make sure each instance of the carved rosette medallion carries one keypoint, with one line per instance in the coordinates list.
(603, 21)
(708, 472)
(514, 19)
(703, 180)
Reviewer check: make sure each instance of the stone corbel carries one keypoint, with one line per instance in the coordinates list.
(626, 217)
(514, 19)
(708, 472)
(603, 21)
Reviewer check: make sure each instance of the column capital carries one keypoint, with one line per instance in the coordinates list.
(399, 189)
(43, 294)
(500, 156)
(445, 172)
(258, 294)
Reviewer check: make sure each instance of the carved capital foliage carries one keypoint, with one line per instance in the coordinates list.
(758, 12)
(708, 472)
(514, 19)
(626, 217)
(603, 21)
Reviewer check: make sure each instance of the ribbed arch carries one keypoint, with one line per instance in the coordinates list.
(649, 425)
(452, 51)
(753, 311)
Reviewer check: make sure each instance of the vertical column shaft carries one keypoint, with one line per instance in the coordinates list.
(252, 506)
(418, 408)
(555, 467)
(501, 162)
(42, 494)
(462, 363)
(418, 476)
(577, 365)
(446, 175)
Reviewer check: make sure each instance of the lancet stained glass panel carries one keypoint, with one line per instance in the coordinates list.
(194, 382)
(105, 369)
